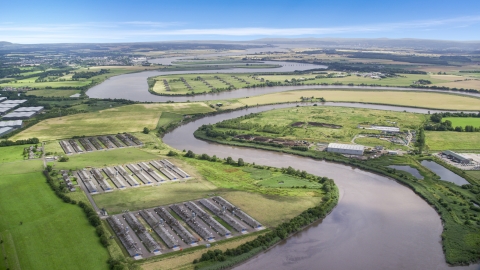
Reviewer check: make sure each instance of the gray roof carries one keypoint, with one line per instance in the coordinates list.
(346, 146)
(29, 109)
(455, 155)
(5, 130)
(15, 101)
(19, 115)
(12, 123)
(8, 105)
(2, 98)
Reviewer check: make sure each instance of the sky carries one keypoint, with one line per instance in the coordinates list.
(106, 21)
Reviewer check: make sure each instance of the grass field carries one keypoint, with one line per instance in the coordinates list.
(463, 121)
(52, 93)
(410, 99)
(129, 118)
(12, 153)
(53, 234)
(451, 140)
(348, 118)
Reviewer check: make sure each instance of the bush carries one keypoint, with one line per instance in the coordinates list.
(63, 159)
(146, 130)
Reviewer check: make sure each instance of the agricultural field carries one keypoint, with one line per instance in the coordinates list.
(268, 190)
(451, 140)
(399, 98)
(349, 119)
(200, 83)
(53, 82)
(204, 83)
(37, 228)
(463, 121)
(131, 118)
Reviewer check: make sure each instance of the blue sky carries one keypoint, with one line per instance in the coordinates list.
(140, 21)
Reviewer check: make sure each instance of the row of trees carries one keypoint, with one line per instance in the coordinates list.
(19, 142)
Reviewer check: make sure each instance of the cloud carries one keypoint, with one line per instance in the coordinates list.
(151, 30)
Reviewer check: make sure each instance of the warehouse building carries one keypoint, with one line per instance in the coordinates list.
(4, 110)
(347, 149)
(8, 105)
(29, 109)
(457, 157)
(18, 115)
(15, 101)
(5, 130)
(2, 99)
(13, 124)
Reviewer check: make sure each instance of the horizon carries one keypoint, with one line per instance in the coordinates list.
(110, 22)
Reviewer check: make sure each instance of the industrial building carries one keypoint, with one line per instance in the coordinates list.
(19, 115)
(15, 101)
(13, 124)
(5, 130)
(457, 157)
(30, 109)
(346, 149)
(385, 129)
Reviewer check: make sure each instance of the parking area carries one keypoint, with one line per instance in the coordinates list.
(473, 163)
(108, 179)
(159, 230)
(97, 143)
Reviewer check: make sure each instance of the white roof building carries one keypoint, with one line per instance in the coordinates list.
(5, 130)
(14, 123)
(347, 149)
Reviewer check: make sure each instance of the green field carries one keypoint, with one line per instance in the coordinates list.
(348, 118)
(409, 99)
(38, 229)
(463, 121)
(451, 140)
(131, 118)
(12, 153)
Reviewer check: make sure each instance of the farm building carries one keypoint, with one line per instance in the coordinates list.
(4, 110)
(8, 105)
(15, 101)
(348, 149)
(5, 130)
(385, 129)
(457, 157)
(14, 124)
(19, 115)
(2, 99)
(29, 109)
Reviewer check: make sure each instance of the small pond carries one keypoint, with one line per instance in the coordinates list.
(408, 169)
(444, 173)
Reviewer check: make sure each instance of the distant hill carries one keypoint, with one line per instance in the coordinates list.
(410, 43)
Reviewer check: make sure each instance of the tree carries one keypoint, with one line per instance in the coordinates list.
(241, 162)
(146, 130)
(190, 154)
(230, 160)
(420, 143)
(49, 168)
(172, 153)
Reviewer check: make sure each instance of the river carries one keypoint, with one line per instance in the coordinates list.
(377, 224)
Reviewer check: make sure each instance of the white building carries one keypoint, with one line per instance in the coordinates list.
(347, 149)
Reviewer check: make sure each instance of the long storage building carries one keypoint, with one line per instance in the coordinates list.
(346, 149)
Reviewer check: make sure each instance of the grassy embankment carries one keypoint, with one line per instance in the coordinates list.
(37, 229)
(280, 122)
(454, 204)
(397, 98)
